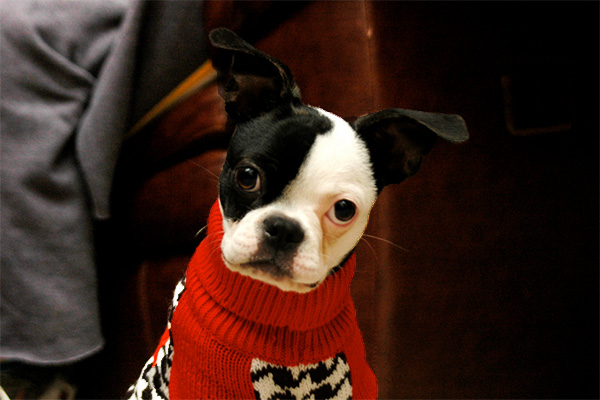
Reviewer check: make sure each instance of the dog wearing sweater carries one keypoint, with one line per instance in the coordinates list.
(264, 310)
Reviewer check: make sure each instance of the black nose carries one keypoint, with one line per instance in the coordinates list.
(282, 233)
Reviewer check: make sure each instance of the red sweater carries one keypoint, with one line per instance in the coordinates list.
(234, 337)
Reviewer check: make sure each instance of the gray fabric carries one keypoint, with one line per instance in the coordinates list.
(168, 42)
(70, 77)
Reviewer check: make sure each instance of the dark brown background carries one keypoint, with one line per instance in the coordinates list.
(496, 292)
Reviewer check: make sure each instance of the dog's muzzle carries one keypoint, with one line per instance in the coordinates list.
(281, 237)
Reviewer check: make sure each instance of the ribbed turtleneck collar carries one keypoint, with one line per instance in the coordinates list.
(263, 303)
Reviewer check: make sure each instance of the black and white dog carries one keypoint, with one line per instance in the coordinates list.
(296, 191)
(299, 182)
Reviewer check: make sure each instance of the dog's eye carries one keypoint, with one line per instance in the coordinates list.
(342, 212)
(248, 179)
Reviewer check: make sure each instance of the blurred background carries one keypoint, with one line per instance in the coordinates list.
(494, 293)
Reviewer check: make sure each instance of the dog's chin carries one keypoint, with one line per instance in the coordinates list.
(260, 272)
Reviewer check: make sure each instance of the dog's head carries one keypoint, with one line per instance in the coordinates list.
(298, 182)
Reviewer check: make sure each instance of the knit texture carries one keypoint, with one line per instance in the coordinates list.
(227, 325)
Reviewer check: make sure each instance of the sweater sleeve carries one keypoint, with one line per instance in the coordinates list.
(155, 377)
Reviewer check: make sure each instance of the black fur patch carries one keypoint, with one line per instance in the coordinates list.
(277, 143)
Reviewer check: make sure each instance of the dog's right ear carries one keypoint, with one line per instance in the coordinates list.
(251, 82)
(398, 139)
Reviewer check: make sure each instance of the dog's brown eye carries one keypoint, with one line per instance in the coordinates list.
(342, 212)
(248, 179)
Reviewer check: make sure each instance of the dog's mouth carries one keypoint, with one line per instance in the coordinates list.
(273, 272)
(272, 257)
(270, 267)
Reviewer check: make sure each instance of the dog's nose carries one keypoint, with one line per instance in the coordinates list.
(282, 233)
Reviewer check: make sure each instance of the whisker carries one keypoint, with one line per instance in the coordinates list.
(204, 168)
(371, 248)
(213, 251)
(213, 238)
(369, 244)
(385, 241)
(200, 231)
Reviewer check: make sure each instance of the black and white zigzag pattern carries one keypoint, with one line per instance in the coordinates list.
(153, 383)
(329, 379)
(179, 289)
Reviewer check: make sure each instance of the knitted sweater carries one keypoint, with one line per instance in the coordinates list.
(232, 337)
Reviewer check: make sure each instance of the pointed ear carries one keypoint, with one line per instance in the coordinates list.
(251, 82)
(398, 139)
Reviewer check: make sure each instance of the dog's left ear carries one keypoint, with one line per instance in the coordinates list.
(251, 82)
(398, 139)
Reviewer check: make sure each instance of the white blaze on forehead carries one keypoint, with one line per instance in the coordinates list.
(337, 167)
(338, 164)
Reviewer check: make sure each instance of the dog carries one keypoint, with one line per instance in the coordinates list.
(264, 310)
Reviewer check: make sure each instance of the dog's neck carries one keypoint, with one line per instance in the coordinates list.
(265, 304)
(226, 325)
